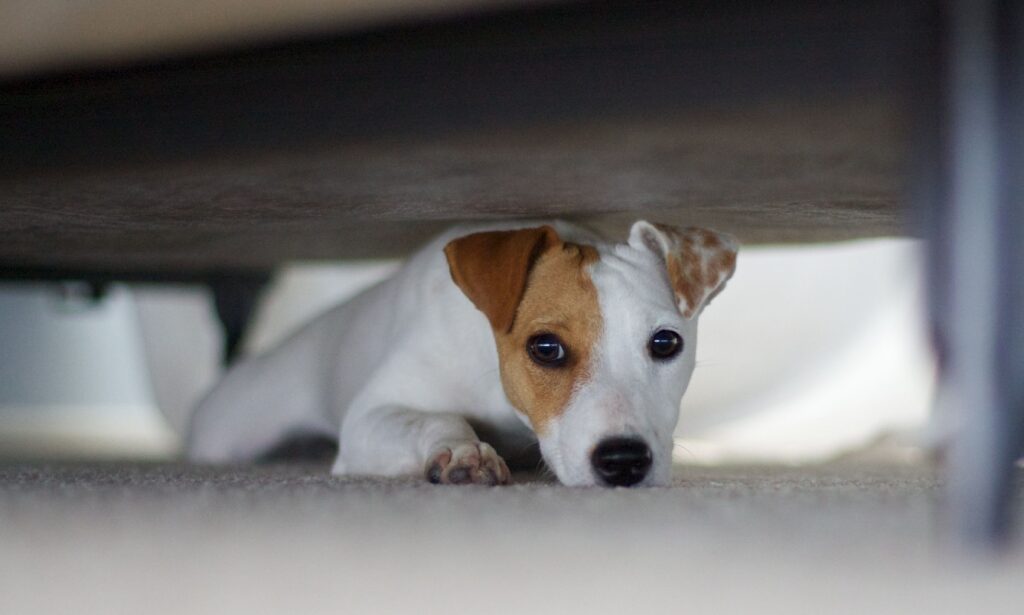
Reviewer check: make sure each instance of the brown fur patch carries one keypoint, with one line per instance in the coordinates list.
(686, 278)
(560, 298)
(529, 282)
(492, 268)
(709, 239)
(697, 263)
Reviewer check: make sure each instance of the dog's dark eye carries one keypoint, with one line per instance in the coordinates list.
(665, 344)
(546, 349)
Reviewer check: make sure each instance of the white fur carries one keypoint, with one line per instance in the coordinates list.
(628, 394)
(404, 368)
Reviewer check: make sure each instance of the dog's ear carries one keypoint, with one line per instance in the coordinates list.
(699, 261)
(492, 268)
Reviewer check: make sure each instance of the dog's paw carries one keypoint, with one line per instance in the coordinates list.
(473, 463)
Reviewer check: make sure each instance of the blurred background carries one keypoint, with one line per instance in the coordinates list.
(815, 352)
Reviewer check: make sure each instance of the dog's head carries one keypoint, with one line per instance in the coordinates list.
(596, 343)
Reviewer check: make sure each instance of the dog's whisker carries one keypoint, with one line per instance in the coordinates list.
(540, 468)
(545, 472)
(680, 445)
(532, 445)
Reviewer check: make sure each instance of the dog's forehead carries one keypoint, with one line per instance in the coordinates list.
(637, 300)
(632, 280)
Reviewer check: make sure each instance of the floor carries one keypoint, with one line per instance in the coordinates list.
(169, 538)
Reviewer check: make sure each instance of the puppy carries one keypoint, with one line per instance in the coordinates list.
(490, 340)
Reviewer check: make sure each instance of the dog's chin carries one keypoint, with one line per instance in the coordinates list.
(660, 476)
(580, 479)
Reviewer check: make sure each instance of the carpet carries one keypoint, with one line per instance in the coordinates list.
(173, 538)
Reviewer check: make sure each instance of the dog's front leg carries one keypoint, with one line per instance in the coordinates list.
(397, 441)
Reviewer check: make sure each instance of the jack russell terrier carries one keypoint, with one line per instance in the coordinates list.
(488, 341)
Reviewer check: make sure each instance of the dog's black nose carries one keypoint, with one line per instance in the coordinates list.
(621, 461)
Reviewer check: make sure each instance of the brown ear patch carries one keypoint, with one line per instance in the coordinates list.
(699, 262)
(492, 268)
(694, 274)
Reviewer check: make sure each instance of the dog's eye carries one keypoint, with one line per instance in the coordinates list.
(546, 349)
(665, 344)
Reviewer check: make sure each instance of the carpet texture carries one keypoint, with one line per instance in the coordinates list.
(171, 538)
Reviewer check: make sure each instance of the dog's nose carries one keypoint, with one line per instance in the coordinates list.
(621, 461)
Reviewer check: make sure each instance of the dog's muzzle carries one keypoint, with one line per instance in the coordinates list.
(621, 462)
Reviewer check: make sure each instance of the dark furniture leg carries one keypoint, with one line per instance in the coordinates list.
(235, 298)
(976, 228)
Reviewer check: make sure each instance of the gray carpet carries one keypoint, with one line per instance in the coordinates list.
(168, 538)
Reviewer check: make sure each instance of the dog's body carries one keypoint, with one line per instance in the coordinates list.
(509, 332)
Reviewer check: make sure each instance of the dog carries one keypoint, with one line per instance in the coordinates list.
(487, 342)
